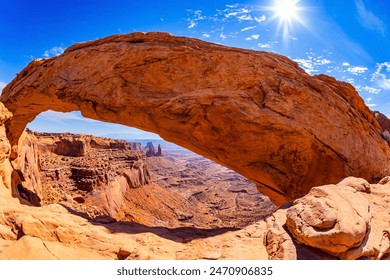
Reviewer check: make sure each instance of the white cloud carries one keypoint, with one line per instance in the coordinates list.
(356, 70)
(372, 90)
(248, 28)
(385, 84)
(244, 17)
(222, 36)
(253, 37)
(264, 46)
(63, 117)
(54, 51)
(323, 61)
(368, 99)
(381, 75)
(2, 85)
(232, 6)
(293, 38)
(312, 62)
(260, 19)
(240, 13)
(196, 16)
(206, 35)
(346, 64)
(371, 105)
(192, 24)
(368, 19)
(307, 65)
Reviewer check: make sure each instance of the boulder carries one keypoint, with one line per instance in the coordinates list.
(346, 221)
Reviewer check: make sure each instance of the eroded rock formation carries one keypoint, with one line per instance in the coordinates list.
(347, 221)
(384, 122)
(257, 113)
(87, 173)
(151, 151)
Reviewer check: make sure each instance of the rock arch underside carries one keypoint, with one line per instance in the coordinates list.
(257, 113)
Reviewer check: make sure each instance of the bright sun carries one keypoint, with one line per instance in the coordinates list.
(287, 12)
(286, 9)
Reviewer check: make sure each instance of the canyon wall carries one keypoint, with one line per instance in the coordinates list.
(86, 173)
(257, 113)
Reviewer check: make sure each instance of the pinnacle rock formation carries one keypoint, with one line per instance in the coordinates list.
(151, 151)
(257, 113)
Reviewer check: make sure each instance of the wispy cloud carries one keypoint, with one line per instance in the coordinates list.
(372, 90)
(356, 70)
(63, 118)
(368, 19)
(264, 45)
(248, 28)
(307, 64)
(54, 51)
(196, 16)
(260, 19)
(346, 64)
(381, 75)
(241, 14)
(223, 36)
(312, 63)
(213, 23)
(253, 37)
(2, 85)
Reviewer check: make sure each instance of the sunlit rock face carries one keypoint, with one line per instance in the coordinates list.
(257, 113)
(89, 174)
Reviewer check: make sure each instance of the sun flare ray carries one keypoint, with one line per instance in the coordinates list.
(287, 13)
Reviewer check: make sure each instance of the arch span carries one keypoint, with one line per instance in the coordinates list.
(257, 113)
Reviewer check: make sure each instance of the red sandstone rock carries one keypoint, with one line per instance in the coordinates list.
(257, 113)
(384, 123)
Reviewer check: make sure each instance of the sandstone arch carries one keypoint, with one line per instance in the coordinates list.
(255, 112)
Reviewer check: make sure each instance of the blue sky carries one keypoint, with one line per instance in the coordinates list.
(346, 39)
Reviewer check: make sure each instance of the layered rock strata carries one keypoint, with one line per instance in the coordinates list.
(296, 131)
(87, 173)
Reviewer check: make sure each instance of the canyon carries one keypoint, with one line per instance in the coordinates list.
(112, 180)
(309, 143)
